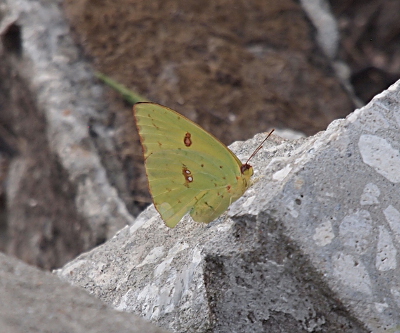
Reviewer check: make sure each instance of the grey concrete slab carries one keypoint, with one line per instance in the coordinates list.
(35, 301)
(311, 246)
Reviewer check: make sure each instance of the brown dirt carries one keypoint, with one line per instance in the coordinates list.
(235, 67)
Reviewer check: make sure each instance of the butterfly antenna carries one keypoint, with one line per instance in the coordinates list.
(259, 146)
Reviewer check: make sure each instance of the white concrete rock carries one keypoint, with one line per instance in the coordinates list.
(311, 246)
(35, 301)
(55, 68)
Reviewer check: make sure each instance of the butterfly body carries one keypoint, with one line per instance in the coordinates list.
(188, 169)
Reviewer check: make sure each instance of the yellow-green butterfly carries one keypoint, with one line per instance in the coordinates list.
(188, 169)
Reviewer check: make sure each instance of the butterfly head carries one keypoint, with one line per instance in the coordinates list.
(246, 170)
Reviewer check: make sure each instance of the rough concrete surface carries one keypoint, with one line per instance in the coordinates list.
(35, 301)
(311, 246)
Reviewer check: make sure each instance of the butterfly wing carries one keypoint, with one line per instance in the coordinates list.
(188, 169)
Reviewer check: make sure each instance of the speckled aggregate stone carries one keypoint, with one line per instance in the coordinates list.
(311, 246)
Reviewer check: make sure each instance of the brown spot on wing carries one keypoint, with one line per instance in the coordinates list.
(187, 174)
(187, 139)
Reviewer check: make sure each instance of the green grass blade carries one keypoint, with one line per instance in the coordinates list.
(130, 96)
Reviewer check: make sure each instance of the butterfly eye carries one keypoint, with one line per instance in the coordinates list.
(245, 167)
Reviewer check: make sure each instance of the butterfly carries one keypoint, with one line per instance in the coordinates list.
(188, 169)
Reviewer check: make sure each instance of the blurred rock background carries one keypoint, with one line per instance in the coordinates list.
(235, 67)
